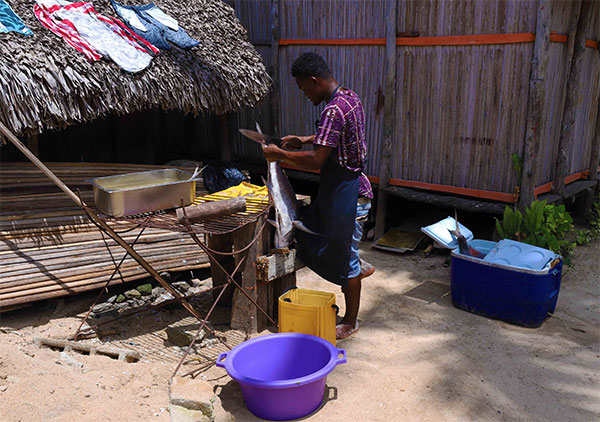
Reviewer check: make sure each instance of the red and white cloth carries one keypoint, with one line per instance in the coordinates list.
(94, 34)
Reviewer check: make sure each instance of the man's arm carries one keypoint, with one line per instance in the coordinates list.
(295, 142)
(308, 160)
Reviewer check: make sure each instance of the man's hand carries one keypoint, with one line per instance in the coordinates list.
(291, 142)
(272, 152)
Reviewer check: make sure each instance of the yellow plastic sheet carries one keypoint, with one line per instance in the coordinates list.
(256, 196)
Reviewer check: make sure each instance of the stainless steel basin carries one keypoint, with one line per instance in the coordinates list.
(146, 191)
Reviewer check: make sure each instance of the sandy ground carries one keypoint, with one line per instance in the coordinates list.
(415, 358)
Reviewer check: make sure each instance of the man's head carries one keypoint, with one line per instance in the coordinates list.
(313, 77)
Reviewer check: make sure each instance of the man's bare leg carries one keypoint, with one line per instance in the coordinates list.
(347, 325)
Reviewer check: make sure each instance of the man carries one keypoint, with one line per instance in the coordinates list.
(344, 199)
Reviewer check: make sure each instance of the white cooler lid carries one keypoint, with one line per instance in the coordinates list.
(439, 232)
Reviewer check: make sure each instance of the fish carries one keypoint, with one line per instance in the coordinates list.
(463, 245)
(284, 201)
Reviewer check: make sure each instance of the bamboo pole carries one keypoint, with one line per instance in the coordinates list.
(388, 116)
(535, 103)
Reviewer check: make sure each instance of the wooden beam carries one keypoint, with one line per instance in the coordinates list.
(274, 65)
(389, 122)
(244, 314)
(535, 103)
(576, 57)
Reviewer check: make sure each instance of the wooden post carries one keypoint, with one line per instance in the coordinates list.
(576, 57)
(244, 315)
(595, 155)
(389, 109)
(274, 65)
(535, 103)
(221, 243)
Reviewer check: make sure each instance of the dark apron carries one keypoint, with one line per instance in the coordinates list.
(332, 214)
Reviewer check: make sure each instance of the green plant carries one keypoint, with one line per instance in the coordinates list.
(585, 236)
(517, 165)
(543, 225)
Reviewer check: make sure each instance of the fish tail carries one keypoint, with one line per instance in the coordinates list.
(300, 226)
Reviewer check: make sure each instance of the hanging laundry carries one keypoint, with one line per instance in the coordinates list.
(95, 35)
(9, 21)
(150, 22)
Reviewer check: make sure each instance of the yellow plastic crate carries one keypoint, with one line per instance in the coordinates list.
(308, 312)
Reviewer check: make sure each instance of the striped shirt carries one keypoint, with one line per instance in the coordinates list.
(342, 126)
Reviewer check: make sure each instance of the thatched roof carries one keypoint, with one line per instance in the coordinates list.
(47, 84)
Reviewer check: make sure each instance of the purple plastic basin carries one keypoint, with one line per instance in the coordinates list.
(282, 376)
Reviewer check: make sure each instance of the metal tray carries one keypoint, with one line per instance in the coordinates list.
(147, 191)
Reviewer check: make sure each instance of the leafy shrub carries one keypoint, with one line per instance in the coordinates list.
(543, 225)
(585, 236)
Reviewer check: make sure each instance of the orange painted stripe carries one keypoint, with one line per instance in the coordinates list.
(355, 41)
(479, 39)
(547, 187)
(554, 37)
(591, 44)
(477, 193)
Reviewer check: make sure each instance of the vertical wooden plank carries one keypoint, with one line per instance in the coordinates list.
(388, 116)
(535, 106)
(221, 243)
(576, 57)
(274, 65)
(594, 156)
(244, 314)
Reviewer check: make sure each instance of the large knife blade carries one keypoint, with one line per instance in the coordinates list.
(260, 137)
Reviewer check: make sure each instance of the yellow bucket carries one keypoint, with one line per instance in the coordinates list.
(308, 312)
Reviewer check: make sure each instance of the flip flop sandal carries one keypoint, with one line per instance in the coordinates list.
(342, 335)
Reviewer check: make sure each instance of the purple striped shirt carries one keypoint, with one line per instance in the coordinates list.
(342, 126)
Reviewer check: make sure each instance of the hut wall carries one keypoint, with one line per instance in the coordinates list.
(587, 109)
(460, 110)
(144, 137)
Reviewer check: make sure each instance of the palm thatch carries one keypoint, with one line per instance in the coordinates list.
(47, 84)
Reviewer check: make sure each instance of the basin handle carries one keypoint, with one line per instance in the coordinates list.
(221, 358)
(343, 358)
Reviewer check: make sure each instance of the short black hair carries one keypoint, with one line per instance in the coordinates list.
(310, 64)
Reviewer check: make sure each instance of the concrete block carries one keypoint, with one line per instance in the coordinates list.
(192, 394)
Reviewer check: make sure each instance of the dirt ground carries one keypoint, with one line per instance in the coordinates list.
(415, 358)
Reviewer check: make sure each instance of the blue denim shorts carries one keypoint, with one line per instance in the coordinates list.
(362, 212)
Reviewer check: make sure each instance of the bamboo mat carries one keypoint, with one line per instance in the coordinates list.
(48, 247)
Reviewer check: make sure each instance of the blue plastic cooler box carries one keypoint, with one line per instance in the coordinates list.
(504, 285)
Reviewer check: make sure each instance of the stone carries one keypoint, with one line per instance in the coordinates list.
(102, 307)
(157, 291)
(192, 394)
(182, 335)
(181, 414)
(109, 313)
(181, 286)
(112, 299)
(166, 276)
(130, 294)
(145, 289)
(69, 360)
(3, 388)
(197, 282)
(120, 298)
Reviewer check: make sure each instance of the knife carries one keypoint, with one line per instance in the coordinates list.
(260, 137)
